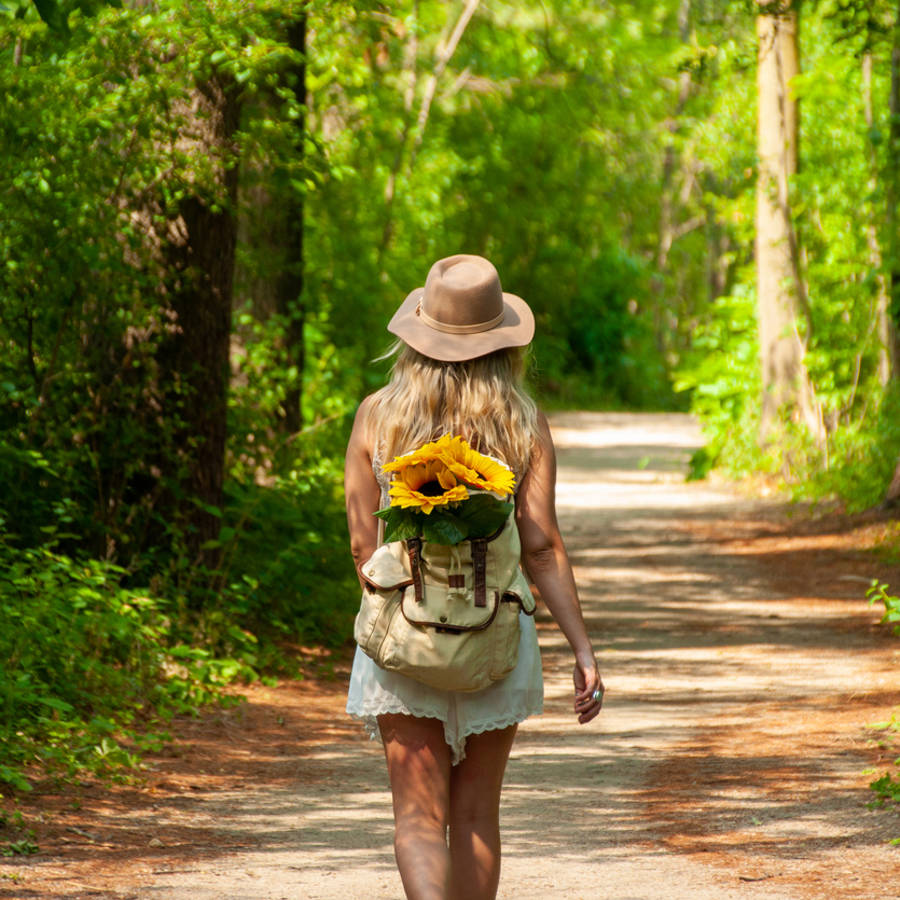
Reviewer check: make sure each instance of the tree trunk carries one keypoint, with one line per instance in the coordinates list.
(882, 311)
(892, 195)
(289, 290)
(787, 391)
(199, 252)
(892, 497)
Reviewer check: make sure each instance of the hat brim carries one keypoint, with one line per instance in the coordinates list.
(516, 329)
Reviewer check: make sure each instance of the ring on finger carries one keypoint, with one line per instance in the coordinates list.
(597, 695)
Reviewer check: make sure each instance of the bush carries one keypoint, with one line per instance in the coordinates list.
(287, 570)
(83, 658)
(887, 786)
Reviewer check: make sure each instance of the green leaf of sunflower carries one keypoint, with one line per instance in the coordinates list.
(484, 514)
(445, 528)
(400, 524)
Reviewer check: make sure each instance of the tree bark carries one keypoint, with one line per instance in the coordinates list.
(787, 391)
(892, 195)
(892, 497)
(289, 291)
(199, 251)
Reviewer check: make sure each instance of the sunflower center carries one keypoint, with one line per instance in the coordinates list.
(431, 489)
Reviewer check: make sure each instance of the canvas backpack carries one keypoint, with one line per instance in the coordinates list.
(445, 615)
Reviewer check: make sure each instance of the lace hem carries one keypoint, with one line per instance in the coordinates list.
(457, 743)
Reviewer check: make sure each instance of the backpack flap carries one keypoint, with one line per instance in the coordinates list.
(448, 608)
(386, 569)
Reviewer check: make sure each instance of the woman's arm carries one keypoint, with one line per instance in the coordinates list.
(547, 563)
(361, 492)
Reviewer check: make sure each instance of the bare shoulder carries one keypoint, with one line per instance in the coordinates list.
(543, 445)
(364, 408)
(363, 413)
(543, 424)
(360, 435)
(541, 470)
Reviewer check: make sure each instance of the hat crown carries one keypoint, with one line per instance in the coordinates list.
(462, 312)
(463, 291)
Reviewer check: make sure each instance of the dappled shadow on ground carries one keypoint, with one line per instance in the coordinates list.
(782, 794)
(753, 621)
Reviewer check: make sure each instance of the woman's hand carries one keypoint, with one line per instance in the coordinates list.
(588, 688)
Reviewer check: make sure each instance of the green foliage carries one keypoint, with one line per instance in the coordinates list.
(84, 660)
(837, 201)
(24, 847)
(878, 593)
(859, 459)
(722, 375)
(287, 573)
(887, 785)
(481, 515)
(528, 166)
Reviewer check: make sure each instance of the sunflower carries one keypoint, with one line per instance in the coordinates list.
(425, 486)
(474, 468)
(425, 454)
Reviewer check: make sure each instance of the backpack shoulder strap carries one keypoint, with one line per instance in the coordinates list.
(414, 549)
(479, 570)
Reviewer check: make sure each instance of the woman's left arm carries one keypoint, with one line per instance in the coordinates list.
(361, 491)
(547, 563)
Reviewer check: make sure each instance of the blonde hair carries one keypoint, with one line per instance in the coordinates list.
(482, 399)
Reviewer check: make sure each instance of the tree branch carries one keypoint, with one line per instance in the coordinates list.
(443, 54)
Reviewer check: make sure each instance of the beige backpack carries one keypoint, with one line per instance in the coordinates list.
(445, 615)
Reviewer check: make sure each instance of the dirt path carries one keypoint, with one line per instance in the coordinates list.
(742, 665)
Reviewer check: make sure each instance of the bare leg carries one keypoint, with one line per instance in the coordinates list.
(475, 815)
(418, 760)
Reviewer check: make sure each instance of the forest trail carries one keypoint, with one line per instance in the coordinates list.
(742, 667)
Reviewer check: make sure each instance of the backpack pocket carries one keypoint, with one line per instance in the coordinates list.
(374, 620)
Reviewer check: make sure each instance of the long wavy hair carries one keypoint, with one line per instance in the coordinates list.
(482, 399)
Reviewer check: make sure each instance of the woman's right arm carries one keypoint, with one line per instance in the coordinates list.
(361, 492)
(547, 563)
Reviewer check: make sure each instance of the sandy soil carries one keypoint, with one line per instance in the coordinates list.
(743, 667)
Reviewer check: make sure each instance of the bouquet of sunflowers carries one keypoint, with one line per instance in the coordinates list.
(446, 492)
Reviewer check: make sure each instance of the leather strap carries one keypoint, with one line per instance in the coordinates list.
(479, 570)
(414, 549)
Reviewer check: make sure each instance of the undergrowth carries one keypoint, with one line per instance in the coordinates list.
(887, 785)
(98, 659)
(92, 671)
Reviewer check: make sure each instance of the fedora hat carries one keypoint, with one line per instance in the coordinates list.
(462, 312)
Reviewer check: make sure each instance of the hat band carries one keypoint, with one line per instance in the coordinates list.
(458, 329)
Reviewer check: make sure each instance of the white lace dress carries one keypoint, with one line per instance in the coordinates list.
(375, 691)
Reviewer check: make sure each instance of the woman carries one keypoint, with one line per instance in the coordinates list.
(459, 370)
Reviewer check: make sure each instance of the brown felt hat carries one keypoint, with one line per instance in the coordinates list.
(462, 312)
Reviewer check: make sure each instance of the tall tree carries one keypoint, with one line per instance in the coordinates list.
(199, 249)
(289, 288)
(781, 294)
(891, 327)
(882, 304)
(891, 316)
